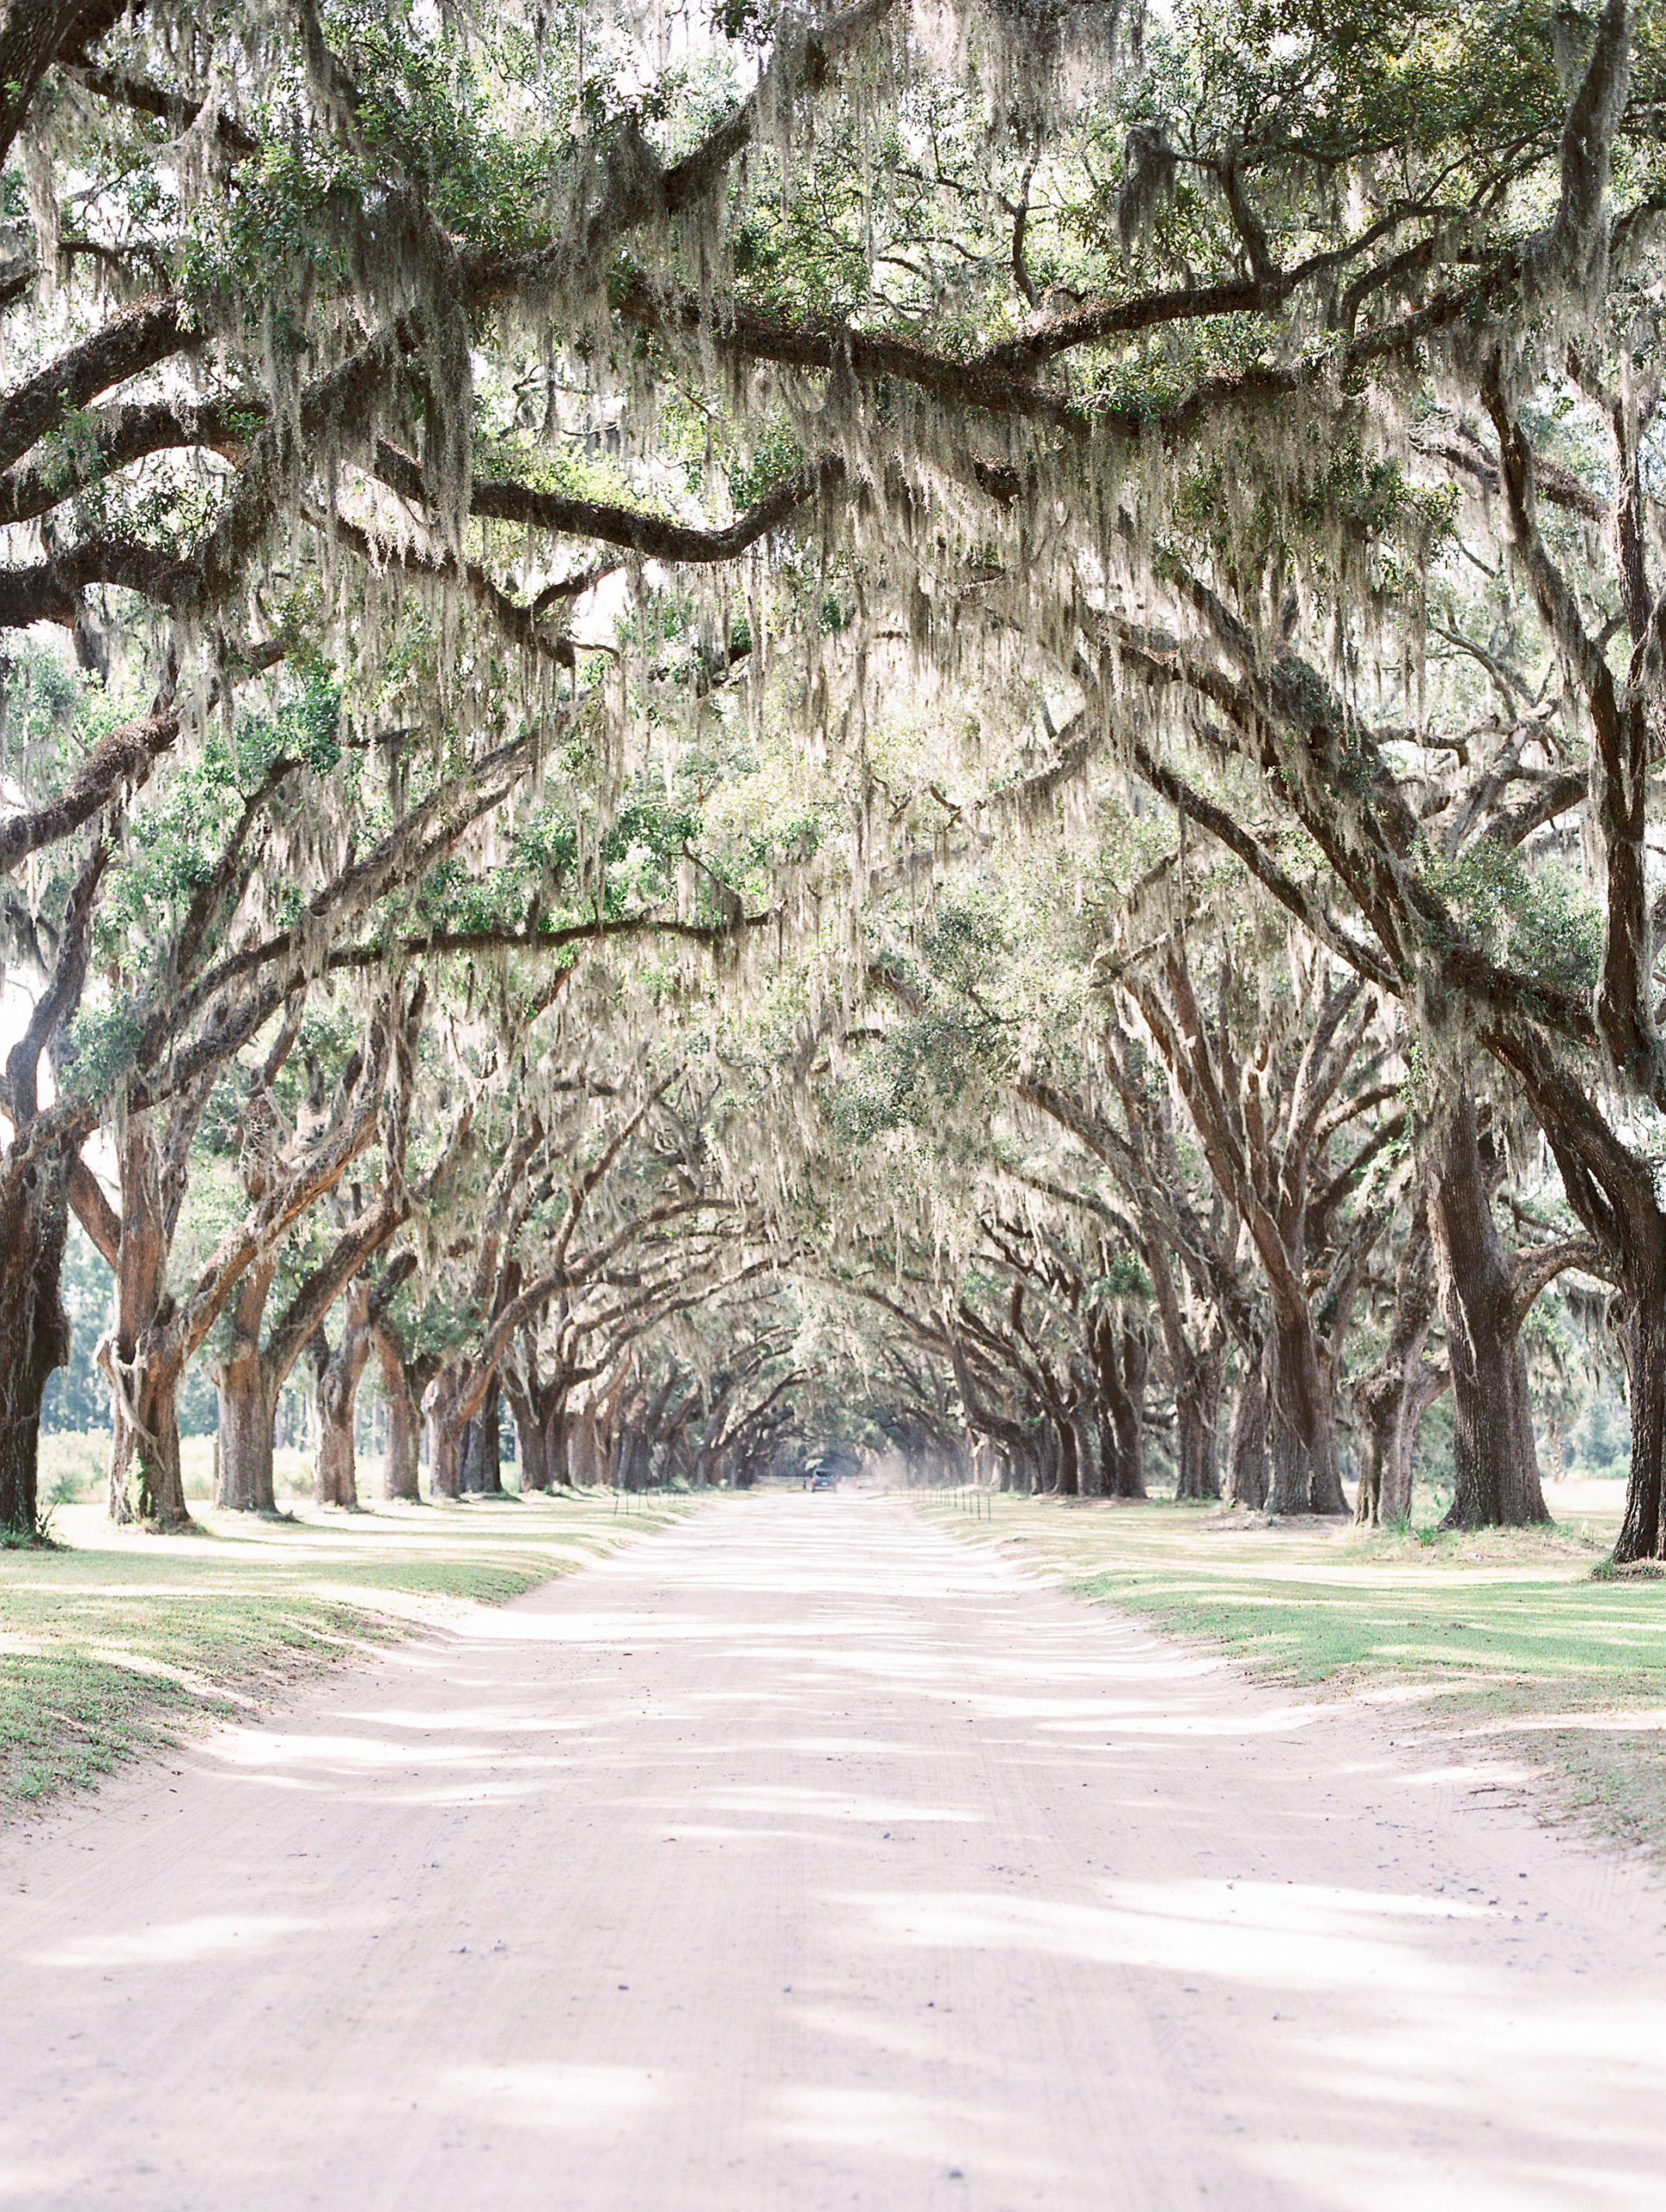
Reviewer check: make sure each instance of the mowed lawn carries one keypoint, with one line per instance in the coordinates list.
(116, 1642)
(1515, 1648)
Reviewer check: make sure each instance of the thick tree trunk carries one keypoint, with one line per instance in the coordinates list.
(530, 1438)
(1067, 1473)
(246, 1416)
(335, 1475)
(1390, 1402)
(447, 1425)
(631, 1461)
(144, 1357)
(1643, 1531)
(247, 1401)
(535, 1465)
(1197, 1420)
(405, 1420)
(1127, 1416)
(1246, 1443)
(1103, 1344)
(445, 1471)
(583, 1458)
(1302, 1426)
(1388, 1408)
(34, 1329)
(482, 1476)
(1615, 1192)
(1497, 1466)
(146, 1479)
(557, 1447)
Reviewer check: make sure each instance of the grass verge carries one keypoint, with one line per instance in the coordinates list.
(1510, 1645)
(115, 1642)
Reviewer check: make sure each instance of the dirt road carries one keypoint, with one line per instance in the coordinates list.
(801, 1858)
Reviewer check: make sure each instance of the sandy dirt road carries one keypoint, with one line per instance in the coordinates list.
(800, 1857)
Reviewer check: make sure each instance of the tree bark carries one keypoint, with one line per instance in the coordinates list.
(1246, 1443)
(1301, 1428)
(582, 1457)
(558, 1447)
(482, 1476)
(1497, 1466)
(33, 1328)
(144, 1357)
(1064, 1479)
(447, 1427)
(246, 1415)
(1388, 1408)
(1120, 1361)
(247, 1404)
(1643, 1338)
(1613, 1190)
(1197, 1419)
(531, 1435)
(1390, 1402)
(401, 1453)
(335, 1476)
(1129, 1414)
(146, 1478)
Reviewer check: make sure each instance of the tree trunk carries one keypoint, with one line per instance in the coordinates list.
(1388, 1409)
(33, 1328)
(557, 1445)
(144, 1357)
(247, 1417)
(1061, 1438)
(1197, 1418)
(1127, 1416)
(1643, 1531)
(530, 1438)
(1497, 1466)
(247, 1401)
(1103, 1343)
(482, 1476)
(335, 1476)
(1246, 1443)
(1301, 1427)
(583, 1459)
(146, 1479)
(1614, 1190)
(444, 1457)
(632, 1459)
(405, 1420)
(1390, 1402)
(446, 1429)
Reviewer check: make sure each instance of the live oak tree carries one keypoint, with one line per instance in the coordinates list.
(847, 447)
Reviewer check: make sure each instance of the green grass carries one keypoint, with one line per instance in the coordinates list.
(115, 1642)
(1508, 1645)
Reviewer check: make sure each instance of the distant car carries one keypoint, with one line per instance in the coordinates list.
(824, 1481)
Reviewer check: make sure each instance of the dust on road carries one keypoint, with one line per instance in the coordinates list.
(798, 1858)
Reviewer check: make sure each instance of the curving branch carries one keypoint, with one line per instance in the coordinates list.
(123, 348)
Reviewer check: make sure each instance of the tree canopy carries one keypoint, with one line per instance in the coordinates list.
(923, 729)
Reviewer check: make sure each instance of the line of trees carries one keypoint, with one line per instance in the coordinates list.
(764, 728)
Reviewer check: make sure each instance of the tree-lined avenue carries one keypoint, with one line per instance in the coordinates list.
(800, 1856)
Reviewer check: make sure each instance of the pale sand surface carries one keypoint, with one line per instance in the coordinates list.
(800, 1857)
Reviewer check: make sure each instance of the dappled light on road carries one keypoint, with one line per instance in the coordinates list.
(801, 1857)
